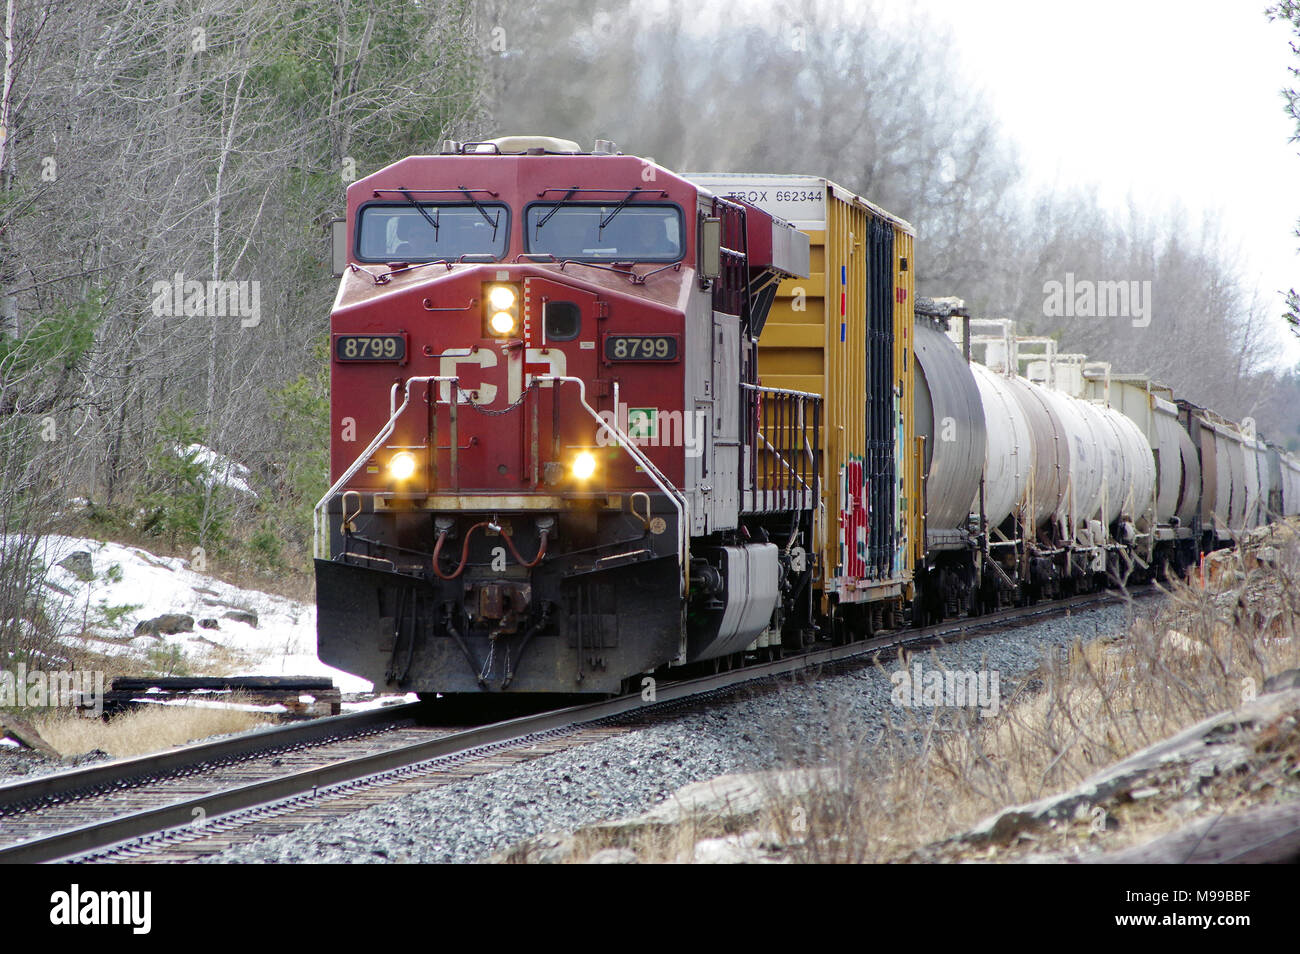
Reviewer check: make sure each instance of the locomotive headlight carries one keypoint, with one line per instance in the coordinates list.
(584, 465)
(501, 297)
(502, 323)
(501, 310)
(401, 466)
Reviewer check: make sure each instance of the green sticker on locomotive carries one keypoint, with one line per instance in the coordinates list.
(642, 423)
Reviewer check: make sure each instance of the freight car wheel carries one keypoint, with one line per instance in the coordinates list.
(920, 617)
(839, 628)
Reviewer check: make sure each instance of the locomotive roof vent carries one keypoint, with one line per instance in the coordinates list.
(523, 146)
(526, 146)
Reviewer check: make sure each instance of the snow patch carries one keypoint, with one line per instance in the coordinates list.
(132, 585)
(380, 702)
(218, 469)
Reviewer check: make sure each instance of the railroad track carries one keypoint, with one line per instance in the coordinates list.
(189, 803)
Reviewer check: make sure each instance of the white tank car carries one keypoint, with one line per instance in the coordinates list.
(1144, 403)
(1049, 476)
(1115, 464)
(950, 416)
(1007, 459)
(1127, 465)
(1170, 507)
(1131, 498)
(1083, 493)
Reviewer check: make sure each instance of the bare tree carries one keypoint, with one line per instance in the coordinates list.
(156, 144)
(1289, 10)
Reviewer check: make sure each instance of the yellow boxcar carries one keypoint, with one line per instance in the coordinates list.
(846, 333)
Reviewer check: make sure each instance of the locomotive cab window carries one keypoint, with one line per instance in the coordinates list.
(562, 320)
(605, 232)
(400, 232)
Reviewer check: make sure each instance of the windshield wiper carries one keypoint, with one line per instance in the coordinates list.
(482, 211)
(431, 219)
(617, 209)
(555, 208)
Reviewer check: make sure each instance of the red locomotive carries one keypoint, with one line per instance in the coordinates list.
(553, 466)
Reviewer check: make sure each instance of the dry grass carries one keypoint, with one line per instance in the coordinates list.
(660, 844)
(75, 655)
(142, 730)
(200, 655)
(904, 793)
(212, 658)
(291, 581)
(938, 772)
(653, 843)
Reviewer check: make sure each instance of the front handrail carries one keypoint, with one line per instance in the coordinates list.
(678, 499)
(320, 517)
(320, 543)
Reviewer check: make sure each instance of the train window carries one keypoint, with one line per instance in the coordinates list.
(608, 232)
(562, 320)
(399, 232)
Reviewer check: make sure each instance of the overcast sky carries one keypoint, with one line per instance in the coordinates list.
(1148, 98)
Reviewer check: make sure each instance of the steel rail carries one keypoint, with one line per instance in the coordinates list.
(124, 773)
(181, 814)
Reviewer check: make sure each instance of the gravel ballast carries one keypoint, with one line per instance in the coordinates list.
(17, 764)
(627, 774)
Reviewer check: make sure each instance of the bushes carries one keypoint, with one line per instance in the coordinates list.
(300, 473)
(38, 413)
(184, 500)
(197, 499)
